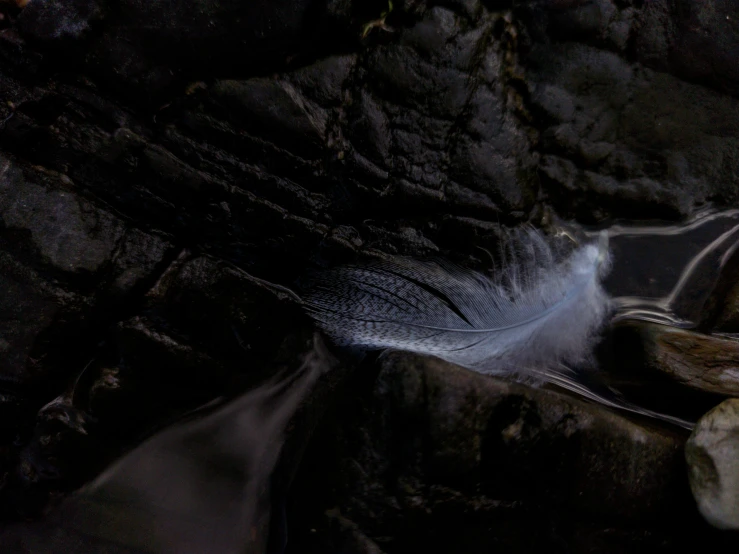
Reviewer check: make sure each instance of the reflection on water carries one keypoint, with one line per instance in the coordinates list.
(666, 274)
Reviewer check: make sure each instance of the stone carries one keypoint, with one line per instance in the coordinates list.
(274, 110)
(69, 233)
(27, 310)
(169, 158)
(441, 459)
(695, 360)
(697, 41)
(712, 454)
(572, 82)
(151, 497)
(52, 20)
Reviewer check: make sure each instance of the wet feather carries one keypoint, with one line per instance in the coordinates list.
(540, 310)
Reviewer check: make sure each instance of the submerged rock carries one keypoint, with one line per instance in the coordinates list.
(712, 453)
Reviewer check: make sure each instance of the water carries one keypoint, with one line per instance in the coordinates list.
(666, 274)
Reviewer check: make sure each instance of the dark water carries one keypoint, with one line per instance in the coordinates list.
(666, 274)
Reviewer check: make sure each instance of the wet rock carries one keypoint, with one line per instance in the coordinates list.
(67, 265)
(697, 41)
(274, 110)
(712, 453)
(721, 308)
(349, 537)
(269, 138)
(440, 459)
(69, 233)
(49, 20)
(628, 158)
(137, 260)
(728, 318)
(256, 440)
(223, 309)
(205, 329)
(324, 81)
(452, 136)
(696, 360)
(28, 308)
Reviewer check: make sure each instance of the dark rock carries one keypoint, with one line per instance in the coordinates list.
(28, 308)
(696, 40)
(164, 363)
(171, 167)
(728, 318)
(254, 448)
(69, 234)
(439, 459)
(349, 537)
(49, 20)
(323, 82)
(274, 110)
(644, 141)
(138, 258)
(720, 308)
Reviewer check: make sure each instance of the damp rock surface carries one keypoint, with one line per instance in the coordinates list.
(167, 168)
(442, 459)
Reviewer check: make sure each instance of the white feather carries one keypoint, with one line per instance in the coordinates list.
(540, 312)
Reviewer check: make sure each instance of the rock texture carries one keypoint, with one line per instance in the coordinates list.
(694, 359)
(712, 454)
(436, 458)
(164, 164)
(212, 482)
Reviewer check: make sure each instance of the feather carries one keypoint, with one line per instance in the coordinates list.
(543, 309)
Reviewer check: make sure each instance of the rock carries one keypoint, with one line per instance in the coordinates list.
(51, 20)
(169, 158)
(69, 234)
(150, 498)
(721, 309)
(28, 308)
(350, 537)
(168, 359)
(57, 246)
(456, 141)
(275, 110)
(137, 260)
(436, 458)
(605, 156)
(712, 453)
(696, 360)
(323, 81)
(697, 41)
(728, 318)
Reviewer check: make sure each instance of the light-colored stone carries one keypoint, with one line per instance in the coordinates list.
(712, 453)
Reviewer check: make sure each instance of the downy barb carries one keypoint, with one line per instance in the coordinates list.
(541, 310)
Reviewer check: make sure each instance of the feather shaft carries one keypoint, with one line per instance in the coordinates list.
(540, 310)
